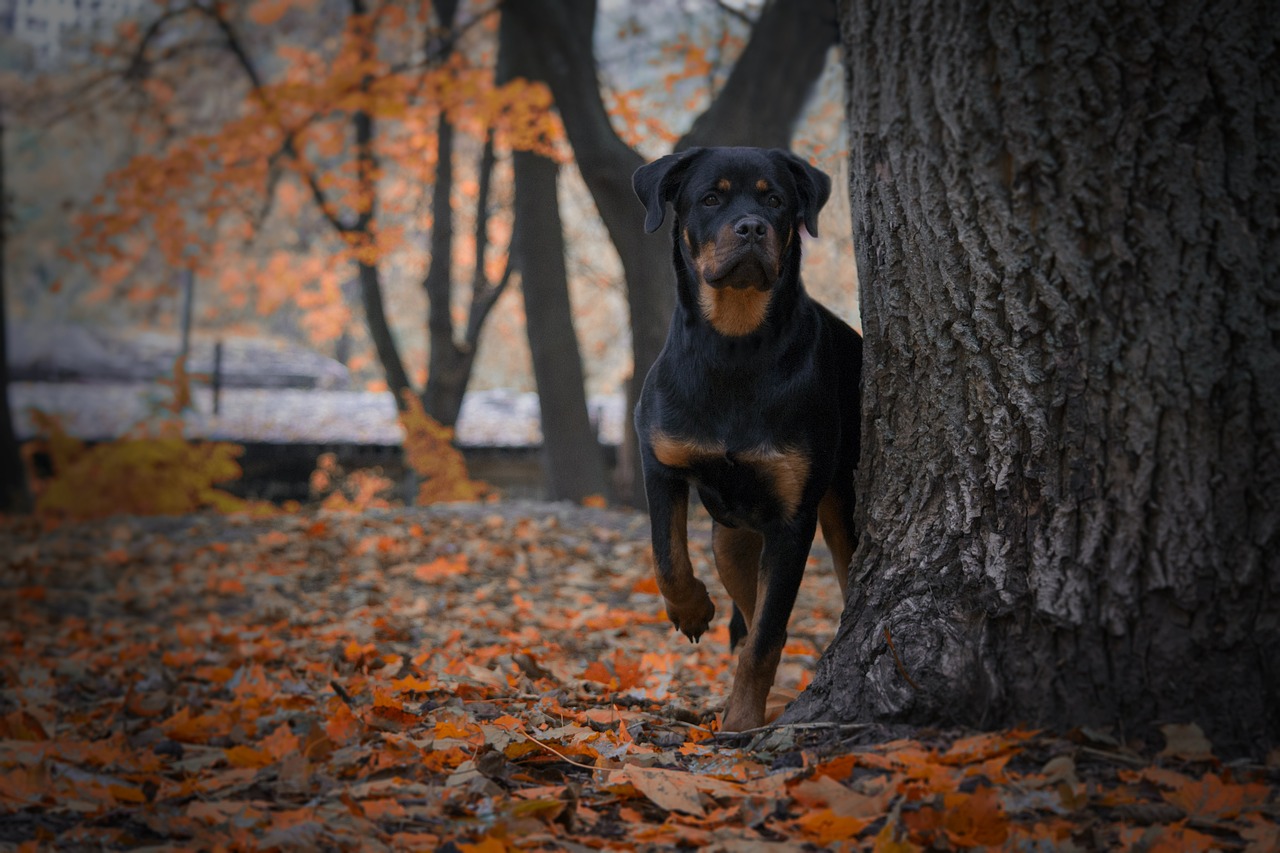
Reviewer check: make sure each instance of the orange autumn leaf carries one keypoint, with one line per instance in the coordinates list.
(672, 790)
(23, 785)
(647, 584)
(1211, 798)
(247, 756)
(19, 725)
(1177, 838)
(824, 826)
(598, 672)
(981, 747)
(412, 684)
(127, 794)
(342, 726)
(975, 820)
(391, 718)
(356, 652)
(1262, 835)
(281, 743)
(630, 673)
(441, 568)
(198, 729)
(455, 729)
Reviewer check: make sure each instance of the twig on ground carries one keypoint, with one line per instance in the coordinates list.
(555, 751)
(797, 726)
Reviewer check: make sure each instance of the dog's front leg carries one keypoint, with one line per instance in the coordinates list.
(782, 568)
(688, 605)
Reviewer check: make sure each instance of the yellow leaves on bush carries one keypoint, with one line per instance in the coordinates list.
(429, 451)
(161, 475)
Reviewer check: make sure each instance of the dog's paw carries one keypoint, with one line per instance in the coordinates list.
(739, 717)
(692, 615)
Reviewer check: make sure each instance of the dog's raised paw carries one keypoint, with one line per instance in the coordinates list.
(692, 615)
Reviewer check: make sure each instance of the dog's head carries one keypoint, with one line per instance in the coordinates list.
(738, 213)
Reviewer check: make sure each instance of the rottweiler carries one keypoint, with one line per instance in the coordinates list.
(753, 401)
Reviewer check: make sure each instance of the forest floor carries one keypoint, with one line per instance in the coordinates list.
(488, 678)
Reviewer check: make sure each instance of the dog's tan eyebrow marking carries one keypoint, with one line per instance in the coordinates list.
(723, 185)
(762, 185)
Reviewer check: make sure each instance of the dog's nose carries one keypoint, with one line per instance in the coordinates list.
(751, 228)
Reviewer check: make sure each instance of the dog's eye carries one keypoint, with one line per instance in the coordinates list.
(775, 200)
(710, 199)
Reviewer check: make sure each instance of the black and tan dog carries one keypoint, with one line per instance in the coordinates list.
(754, 401)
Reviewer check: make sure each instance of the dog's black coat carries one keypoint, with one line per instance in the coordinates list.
(754, 400)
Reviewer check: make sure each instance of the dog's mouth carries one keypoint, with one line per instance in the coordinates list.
(743, 266)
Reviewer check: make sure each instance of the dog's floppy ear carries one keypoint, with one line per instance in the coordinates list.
(656, 184)
(812, 185)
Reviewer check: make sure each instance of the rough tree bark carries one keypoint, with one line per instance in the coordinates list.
(759, 105)
(572, 461)
(1068, 237)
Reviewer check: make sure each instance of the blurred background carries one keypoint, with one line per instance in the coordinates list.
(296, 251)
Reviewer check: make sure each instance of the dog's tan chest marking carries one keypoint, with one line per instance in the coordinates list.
(731, 311)
(683, 452)
(786, 470)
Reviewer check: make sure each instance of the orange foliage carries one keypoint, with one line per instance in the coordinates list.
(146, 475)
(336, 489)
(429, 451)
(195, 194)
(500, 680)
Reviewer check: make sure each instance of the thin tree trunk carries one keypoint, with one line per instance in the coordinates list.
(384, 341)
(451, 360)
(448, 368)
(572, 460)
(14, 496)
(1068, 243)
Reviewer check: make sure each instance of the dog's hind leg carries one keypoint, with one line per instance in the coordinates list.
(835, 514)
(737, 554)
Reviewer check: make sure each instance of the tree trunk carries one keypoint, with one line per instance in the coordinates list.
(448, 365)
(449, 361)
(1069, 494)
(384, 342)
(758, 106)
(573, 464)
(14, 496)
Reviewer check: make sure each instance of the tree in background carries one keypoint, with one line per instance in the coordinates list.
(760, 104)
(14, 495)
(573, 466)
(355, 113)
(1068, 240)
(451, 359)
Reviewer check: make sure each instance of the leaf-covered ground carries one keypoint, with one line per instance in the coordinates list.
(489, 678)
